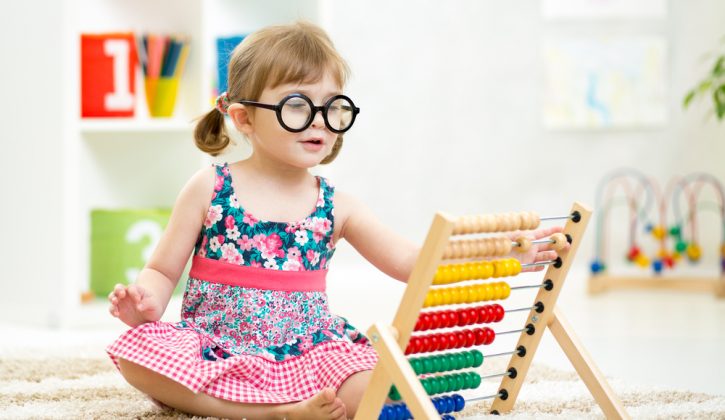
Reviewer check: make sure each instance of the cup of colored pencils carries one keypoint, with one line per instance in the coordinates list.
(163, 58)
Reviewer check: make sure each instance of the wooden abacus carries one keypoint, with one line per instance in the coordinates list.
(397, 377)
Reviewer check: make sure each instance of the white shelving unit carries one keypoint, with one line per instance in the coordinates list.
(142, 162)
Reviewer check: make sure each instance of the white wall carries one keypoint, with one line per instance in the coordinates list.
(31, 110)
(451, 98)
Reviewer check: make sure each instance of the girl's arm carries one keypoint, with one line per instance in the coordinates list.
(389, 252)
(146, 300)
(396, 256)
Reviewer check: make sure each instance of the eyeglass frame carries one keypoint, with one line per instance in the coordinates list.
(315, 109)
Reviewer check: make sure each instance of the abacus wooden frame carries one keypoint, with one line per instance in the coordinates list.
(390, 341)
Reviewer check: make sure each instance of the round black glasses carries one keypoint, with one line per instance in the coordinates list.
(295, 112)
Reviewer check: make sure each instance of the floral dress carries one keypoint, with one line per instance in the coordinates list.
(255, 323)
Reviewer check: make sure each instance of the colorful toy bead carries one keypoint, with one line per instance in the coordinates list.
(694, 252)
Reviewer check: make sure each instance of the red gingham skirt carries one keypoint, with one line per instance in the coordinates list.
(176, 354)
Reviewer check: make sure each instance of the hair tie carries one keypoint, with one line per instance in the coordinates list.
(222, 103)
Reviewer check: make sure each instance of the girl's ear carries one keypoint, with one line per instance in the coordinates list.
(241, 118)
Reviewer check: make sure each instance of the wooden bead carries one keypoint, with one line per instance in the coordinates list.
(524, 244)
(506, 244)
(559, 241)
(535, 220)
(526, 220)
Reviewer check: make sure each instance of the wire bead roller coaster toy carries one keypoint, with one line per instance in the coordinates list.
(426, 386)
(657, 221)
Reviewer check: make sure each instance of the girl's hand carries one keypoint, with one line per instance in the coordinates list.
(133, 305)
(538, 252)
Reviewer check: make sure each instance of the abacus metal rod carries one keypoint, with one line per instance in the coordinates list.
(569, 216)
(521, 309)
(537, 241)
(506, 353)
(540, 263)
(511, 332)
(497, 375)
(486, 397)
(527, 287)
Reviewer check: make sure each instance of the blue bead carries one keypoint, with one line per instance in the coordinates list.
(408, 414)
(657, 266)
(386, 413)
(450, 404)
(400, 412)
(596, 266)
(460, 402)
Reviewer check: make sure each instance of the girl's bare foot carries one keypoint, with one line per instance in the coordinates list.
(322, 406)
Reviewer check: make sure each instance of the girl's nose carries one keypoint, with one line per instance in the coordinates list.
(318, 121)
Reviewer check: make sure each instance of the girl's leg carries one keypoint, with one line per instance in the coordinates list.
(324, 405)
(352, 389)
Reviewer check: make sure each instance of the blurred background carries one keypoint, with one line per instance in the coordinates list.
(467, 107)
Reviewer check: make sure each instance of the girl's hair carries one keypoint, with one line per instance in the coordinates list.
(296, 53)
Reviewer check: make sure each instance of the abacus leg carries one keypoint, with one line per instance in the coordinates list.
(585, 367)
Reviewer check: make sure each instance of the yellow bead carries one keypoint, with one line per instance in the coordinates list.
(455, 293)
(428, 300)
(455, 273)
(487, 270)
(482, 293)
(497, 292)
(496, 269)
(516, 264)
(506, 290)
(642, 261)
(489, 292)
(506, 267)
(471, 294)
(436, 297)
(662, 253)
(658, 232)
(445, 296)
(693, 252)
(478, 270)
(438, 277)
(467, 270)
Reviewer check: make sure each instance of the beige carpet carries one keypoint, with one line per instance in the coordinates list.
(92, 389)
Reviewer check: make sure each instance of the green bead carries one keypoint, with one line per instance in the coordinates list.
(394, 394)
(476, 380)
(469, 359)
(451, 380)
(445, 363)
(436, 363)
(459, 382)
(426, 386)
(467, 381)
(414, 365)
(461, 362)
(427, 365)
(435, 386)
(681, 246)
(477, 358)
(675, 230)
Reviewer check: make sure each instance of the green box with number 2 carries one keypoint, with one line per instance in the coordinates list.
(122, 241)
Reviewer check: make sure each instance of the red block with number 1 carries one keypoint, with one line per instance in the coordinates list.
(108, 76)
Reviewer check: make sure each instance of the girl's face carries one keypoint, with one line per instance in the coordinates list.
(301, 150)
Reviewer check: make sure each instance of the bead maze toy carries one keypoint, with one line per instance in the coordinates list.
(474, 260)
(670, 234)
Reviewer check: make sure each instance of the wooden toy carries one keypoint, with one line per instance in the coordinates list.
(670, 220)
(475, 261)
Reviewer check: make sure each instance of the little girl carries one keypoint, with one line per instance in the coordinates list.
(256, 338)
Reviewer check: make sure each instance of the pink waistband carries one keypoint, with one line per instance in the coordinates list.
(216, 271)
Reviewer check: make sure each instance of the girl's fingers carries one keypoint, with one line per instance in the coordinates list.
(120, 291)
(135, 293)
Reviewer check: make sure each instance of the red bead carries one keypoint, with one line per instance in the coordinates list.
(490, 335)
(461, 337)
(498, 312)
(418, 323)
(452, 340)
(472, 315)
(443, 316)
(482, 315)
(470, 338)
(434, 342)
(424, 321)
(444, 341)
(463, 318)
(452, 318)
(435, 321)
(424, 344)
(480, 336)
(411, 346)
